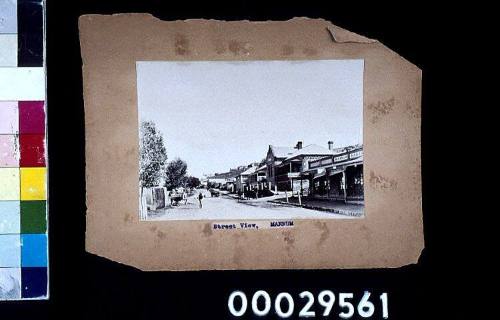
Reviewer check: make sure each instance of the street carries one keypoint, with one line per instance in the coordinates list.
(227, 208)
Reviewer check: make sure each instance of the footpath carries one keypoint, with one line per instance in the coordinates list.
(353, 210)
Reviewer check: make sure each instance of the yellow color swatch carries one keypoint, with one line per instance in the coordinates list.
(9, 184)
(33, 183)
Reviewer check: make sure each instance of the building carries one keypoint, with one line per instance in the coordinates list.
(242, 178)
(216, 181)
(338, 176)
(226, 180)
(258, 179)
(288, 174)
(274, 157)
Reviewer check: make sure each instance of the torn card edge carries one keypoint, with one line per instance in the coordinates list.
(338, 34)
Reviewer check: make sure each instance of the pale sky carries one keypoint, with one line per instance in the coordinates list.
(218, 115)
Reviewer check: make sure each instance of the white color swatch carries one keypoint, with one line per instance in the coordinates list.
(22, 84)
(8, 50)
(10, 283)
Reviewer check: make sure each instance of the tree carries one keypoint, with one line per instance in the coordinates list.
(175, 173)
(192, 182)
(153, 155)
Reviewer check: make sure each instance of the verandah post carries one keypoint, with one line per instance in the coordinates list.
(345, 185)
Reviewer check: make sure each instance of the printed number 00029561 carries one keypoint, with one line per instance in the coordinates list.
(284, 305)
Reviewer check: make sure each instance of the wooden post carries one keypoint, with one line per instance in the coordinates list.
(345, 186)
(300, 199)
(327, 184)
(143, 207)
(301, 187)
(286, 192)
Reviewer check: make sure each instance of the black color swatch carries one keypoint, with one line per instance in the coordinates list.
(30, 33)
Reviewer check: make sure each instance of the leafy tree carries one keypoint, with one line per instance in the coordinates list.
(175, 173)
(192, 182)
(153, 155)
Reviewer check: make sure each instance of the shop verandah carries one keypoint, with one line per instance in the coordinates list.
(288, 177)
(340, 184)
(337, 189)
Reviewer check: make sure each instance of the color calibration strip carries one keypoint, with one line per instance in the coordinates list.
(23, 164)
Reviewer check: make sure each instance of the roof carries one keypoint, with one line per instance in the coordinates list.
(258, 169)
(231, 174)
(281, 152)
(249, 171)
(261, 168)
(312, 149)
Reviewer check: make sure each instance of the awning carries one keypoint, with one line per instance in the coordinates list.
(334, 172)
(319, 175)
(350, 162)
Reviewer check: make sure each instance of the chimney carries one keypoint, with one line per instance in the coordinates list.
(330, 145)
(299, 145)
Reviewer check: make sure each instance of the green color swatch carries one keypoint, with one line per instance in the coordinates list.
(33, 217)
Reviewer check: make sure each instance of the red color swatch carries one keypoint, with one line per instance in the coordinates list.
(32, 150)
(31, 117)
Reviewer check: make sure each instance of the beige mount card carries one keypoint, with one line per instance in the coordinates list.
(390, 234)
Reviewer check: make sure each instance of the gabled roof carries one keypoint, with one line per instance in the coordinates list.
(281, 152)
(312, 149)
(259, 169)
(248, 171)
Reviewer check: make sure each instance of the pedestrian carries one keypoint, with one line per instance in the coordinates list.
(200, 197)
(184, 197)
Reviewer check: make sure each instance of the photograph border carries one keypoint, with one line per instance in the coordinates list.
(167, 190)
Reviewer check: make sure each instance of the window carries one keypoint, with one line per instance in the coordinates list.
(358, 180)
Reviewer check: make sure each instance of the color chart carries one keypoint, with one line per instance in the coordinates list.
(23, 160)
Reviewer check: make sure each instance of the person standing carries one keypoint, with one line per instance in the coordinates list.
(200, 197)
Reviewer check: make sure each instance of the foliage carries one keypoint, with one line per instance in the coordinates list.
(192, 182)
(153, 155)
(175, 173)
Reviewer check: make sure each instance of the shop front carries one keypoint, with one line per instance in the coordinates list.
(338, 177)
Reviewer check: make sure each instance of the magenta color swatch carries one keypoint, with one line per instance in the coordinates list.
(9, 117)
(31, 117)
(9, 151)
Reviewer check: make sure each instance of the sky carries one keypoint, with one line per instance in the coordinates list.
(217, 115)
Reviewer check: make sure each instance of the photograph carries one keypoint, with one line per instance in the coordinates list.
(229, 140)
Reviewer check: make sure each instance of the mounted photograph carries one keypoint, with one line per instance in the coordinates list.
(232, 140)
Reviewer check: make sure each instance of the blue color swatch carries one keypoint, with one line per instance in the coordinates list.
(33, 250)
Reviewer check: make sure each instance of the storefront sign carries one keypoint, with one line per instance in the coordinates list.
(341, 158)
(356, 154)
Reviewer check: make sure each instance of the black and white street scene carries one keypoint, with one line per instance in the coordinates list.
(227, 140)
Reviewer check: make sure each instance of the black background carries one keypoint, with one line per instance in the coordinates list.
(89, 287)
